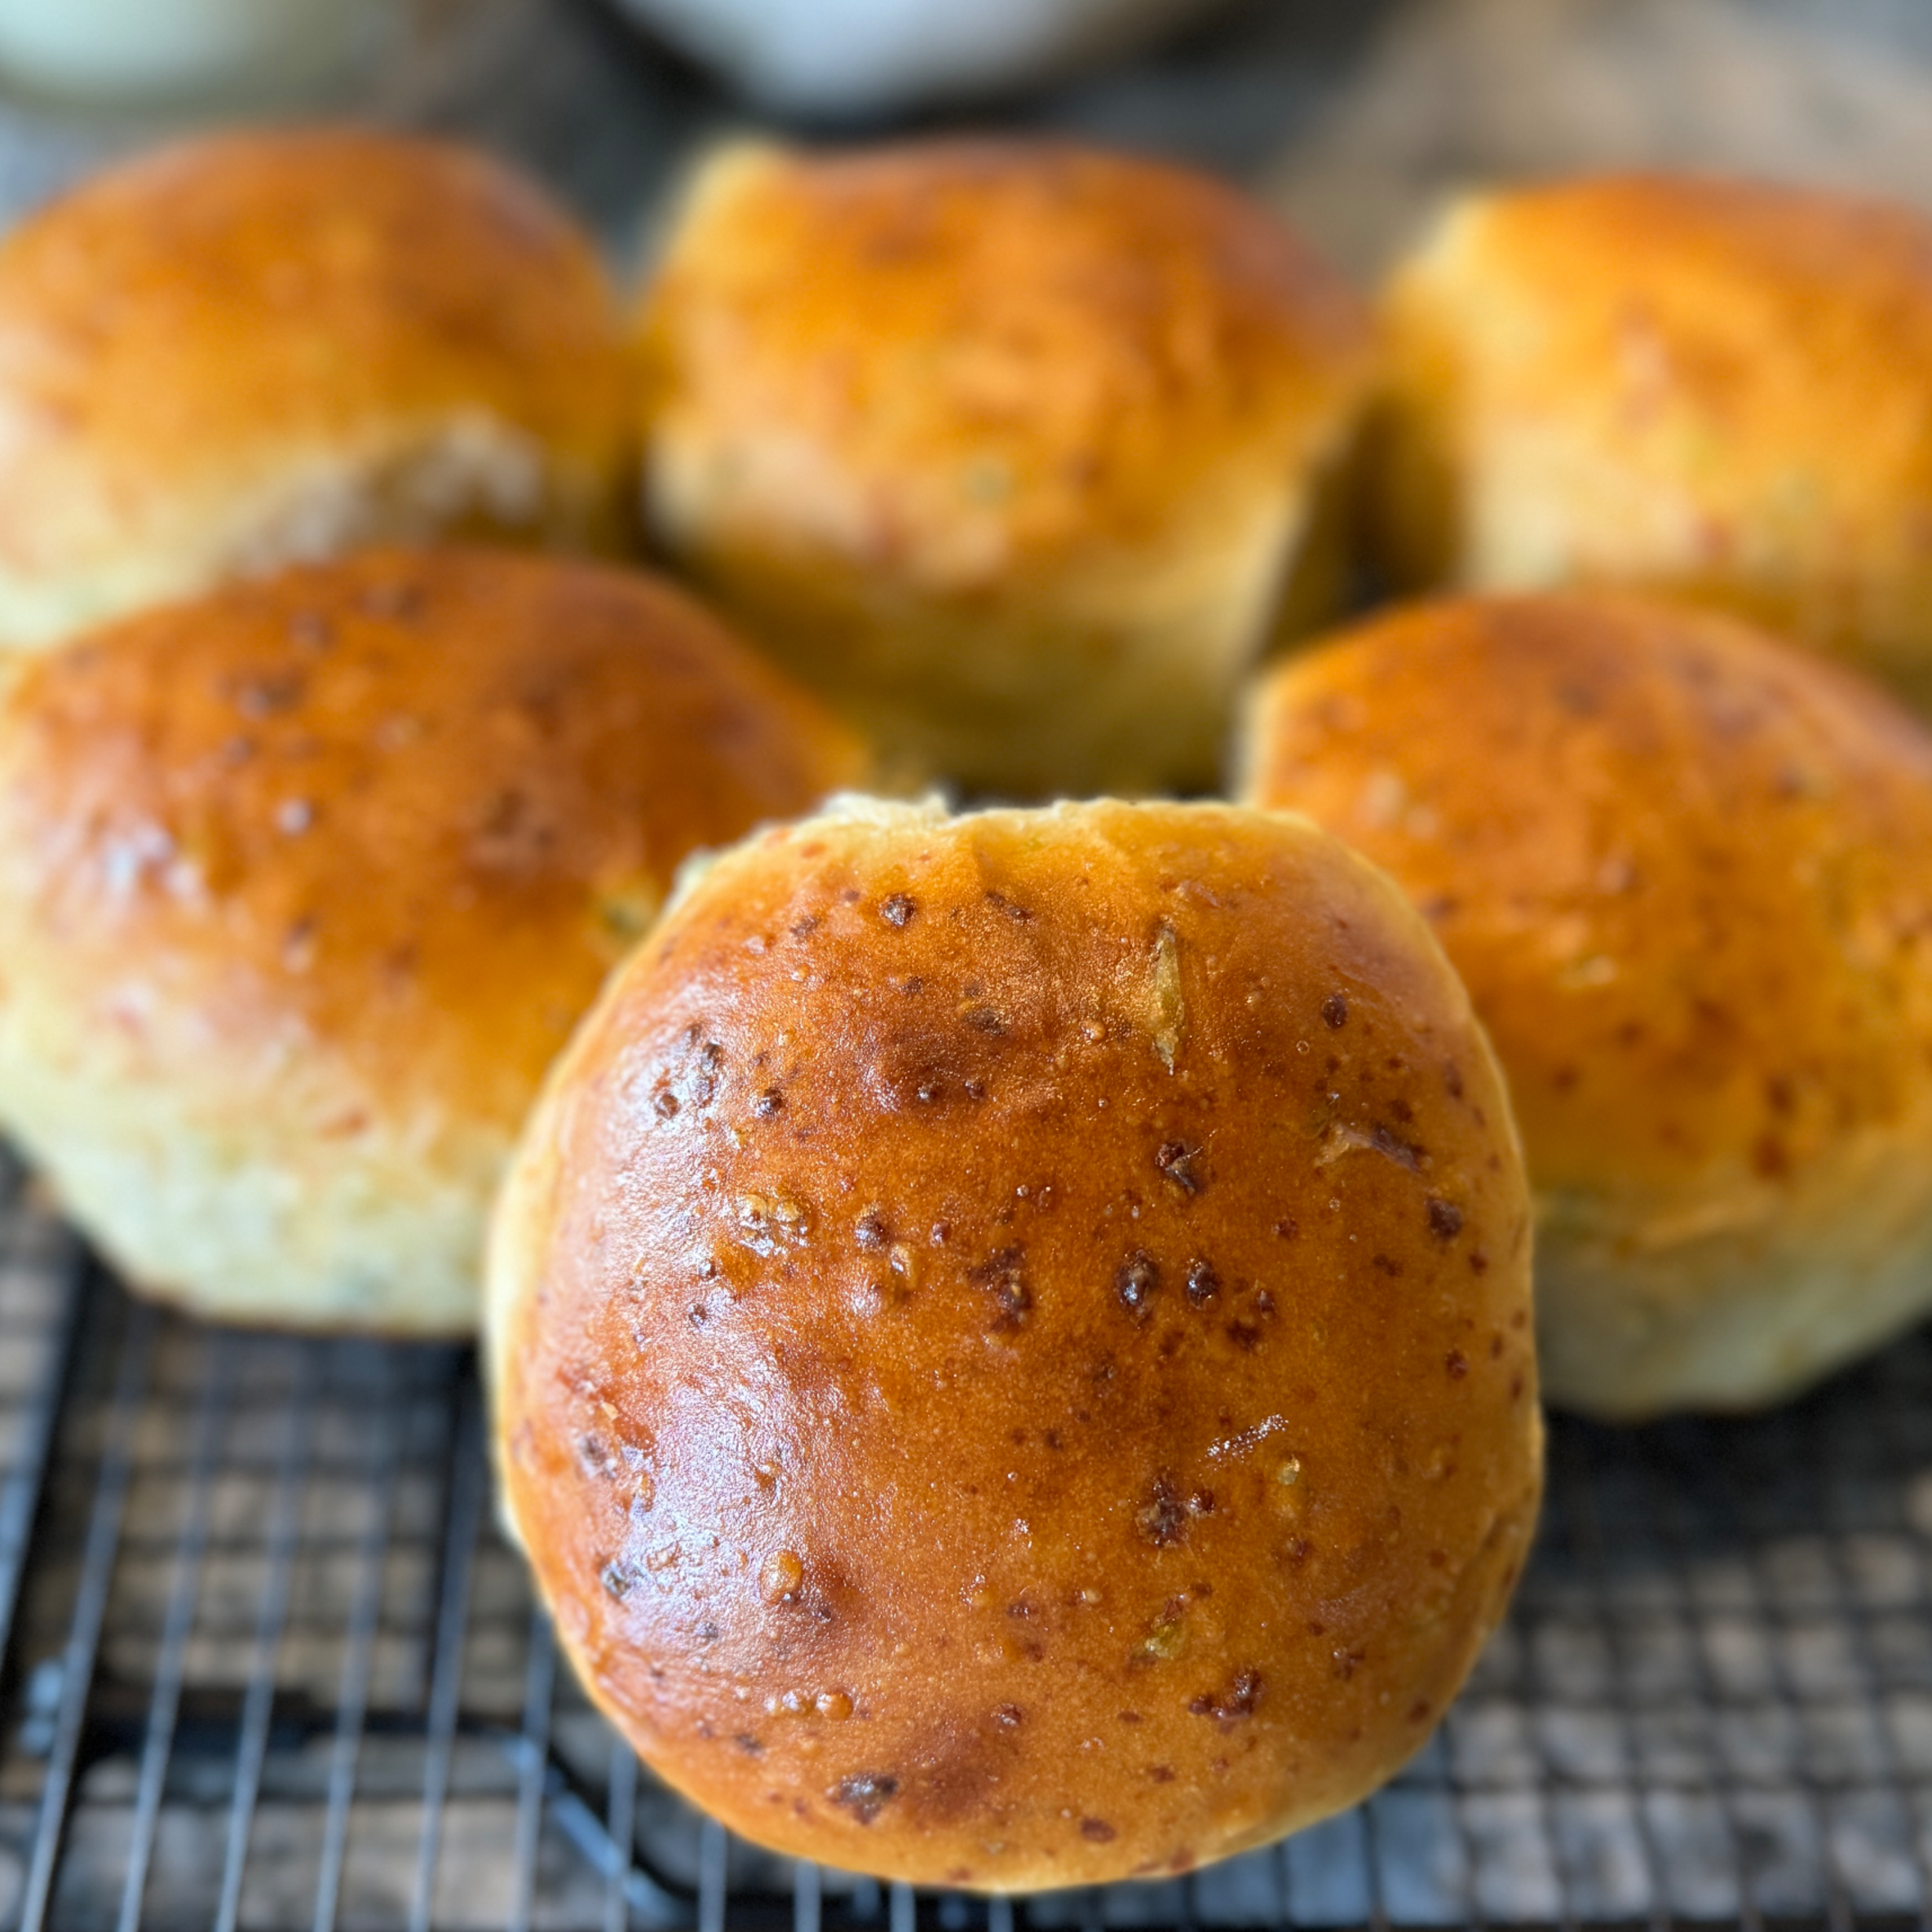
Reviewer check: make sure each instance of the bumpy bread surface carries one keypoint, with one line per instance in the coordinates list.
(256, 348)
(1686, 872)
(302, 887)
(1011, 1340)
(1720, 388)
(1017, 451)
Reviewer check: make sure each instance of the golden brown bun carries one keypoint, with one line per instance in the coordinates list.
(1011, 1340)
(1012, 448)
(1687, 875)
(254, 348)
(303, 886)
(1720, 389)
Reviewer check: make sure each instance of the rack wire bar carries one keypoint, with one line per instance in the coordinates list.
(264, 1664)
(284, 1524)
(39, 1263)
(165, 1706)
(358, 1666)
(76, 1672)
(466, 1489)
(539, 1683)
(1910, 1593)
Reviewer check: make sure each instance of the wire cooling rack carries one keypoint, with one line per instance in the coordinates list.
(264, 1664)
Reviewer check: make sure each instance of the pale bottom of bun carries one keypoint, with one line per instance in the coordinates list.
(463, 475)
(1538, 509)
(1105, 670)
(1747, 1311)
(375, 1231)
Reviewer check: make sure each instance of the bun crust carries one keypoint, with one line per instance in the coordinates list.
(251, 348)
(1686, 873)
(1011, 1343)
(1011, 448)
(302, 887)
(1648, 381)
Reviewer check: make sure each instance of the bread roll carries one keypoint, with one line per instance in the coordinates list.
(1686, 873)
(1013, 449)
(1722, 389)
(1011, 1340)
(303, 885)
(251, 348)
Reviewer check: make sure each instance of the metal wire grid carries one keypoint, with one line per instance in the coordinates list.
(267, 1665)
(264, 1664)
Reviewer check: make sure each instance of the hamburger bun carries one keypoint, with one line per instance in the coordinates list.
(1686, 873)
(1011, 1341)
(1721, 389)
(256, 348)
(1018, 451)
(303, 885)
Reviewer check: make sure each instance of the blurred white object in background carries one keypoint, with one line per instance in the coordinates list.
(844, 57)
(150, 50)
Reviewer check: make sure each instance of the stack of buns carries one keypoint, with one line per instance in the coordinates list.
(1010, 1331)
